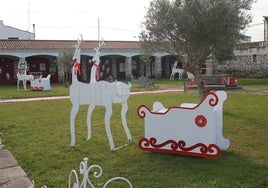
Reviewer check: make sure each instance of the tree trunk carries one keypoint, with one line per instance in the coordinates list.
(200, 84)
(195, 67)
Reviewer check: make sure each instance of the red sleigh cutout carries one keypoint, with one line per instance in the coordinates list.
(190, 129)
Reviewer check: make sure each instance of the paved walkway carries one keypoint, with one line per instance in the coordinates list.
(67, 97)
(11, 174)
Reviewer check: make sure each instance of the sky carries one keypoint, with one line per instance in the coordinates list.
(116, 19)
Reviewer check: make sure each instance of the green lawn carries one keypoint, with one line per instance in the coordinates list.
(37, 134)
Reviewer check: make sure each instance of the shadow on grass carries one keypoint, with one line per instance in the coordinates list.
(231, 170)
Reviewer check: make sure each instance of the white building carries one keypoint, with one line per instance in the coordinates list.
(7, 32)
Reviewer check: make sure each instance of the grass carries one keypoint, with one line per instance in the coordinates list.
(11, 92)
(37, 134)
(252, 81)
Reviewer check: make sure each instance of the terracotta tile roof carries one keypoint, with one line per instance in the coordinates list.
(64, 44)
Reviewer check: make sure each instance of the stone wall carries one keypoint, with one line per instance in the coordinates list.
(242, 67)
(251, 60)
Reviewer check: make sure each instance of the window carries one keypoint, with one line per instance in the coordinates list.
(13, 38)
(254, 58)
(42, 66)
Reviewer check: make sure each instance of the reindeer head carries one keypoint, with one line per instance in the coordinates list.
(77, 50)
(22, 66)
(96, 57)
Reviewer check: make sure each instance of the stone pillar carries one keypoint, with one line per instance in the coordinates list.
(211, 67)
(128, 67)
(158, 68)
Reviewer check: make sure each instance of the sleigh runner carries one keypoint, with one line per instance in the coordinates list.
(190, 129)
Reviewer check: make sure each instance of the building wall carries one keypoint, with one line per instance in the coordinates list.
(251, 60)
(122, 66)
(7, 32)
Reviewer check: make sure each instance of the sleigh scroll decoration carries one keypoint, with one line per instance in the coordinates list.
(189, 129)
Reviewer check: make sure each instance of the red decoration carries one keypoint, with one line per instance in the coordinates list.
(97, 71)
(179, 147)
(77, 66)
(201, 121)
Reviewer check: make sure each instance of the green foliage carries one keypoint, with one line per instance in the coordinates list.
(195, 30)
(38, 135)
(224, 55)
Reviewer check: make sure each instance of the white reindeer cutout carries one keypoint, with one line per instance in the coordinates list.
(175, 70)
(22, 75)
(100, 93)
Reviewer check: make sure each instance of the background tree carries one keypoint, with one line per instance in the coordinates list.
(64, 62)
(195, 30)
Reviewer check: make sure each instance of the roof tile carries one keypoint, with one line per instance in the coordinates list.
(64, 44)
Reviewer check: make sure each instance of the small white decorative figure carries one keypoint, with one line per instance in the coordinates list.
(100, 93)
(176, 70)
(190, 129)
(190, 76)
(7, 76)
(22, 75)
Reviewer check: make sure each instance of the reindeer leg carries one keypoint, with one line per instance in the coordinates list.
(108, 115)
(18, 84)
(74, 111)
(124, 121)
(89, 113)
(24, 84)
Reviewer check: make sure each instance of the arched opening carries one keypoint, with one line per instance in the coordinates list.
(43, 65)
(7, 69)
(167, 64)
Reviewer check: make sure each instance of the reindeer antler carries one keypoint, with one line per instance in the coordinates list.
(79, 40)
(101, 43)
(77, 48)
